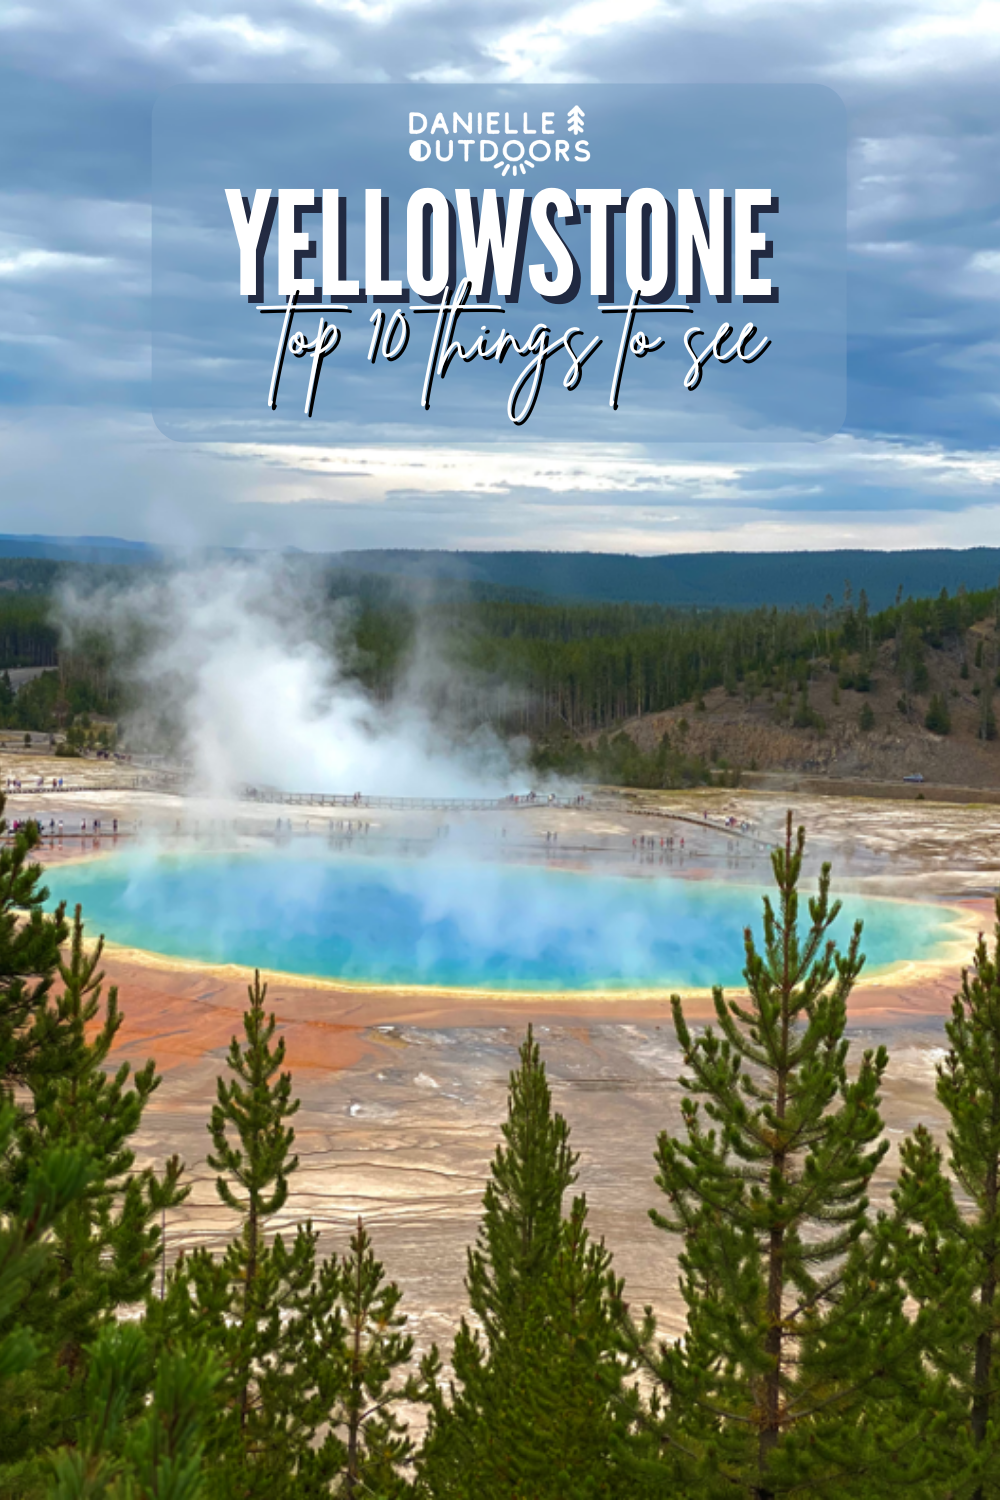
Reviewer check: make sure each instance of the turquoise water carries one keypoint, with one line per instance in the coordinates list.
(442, 923)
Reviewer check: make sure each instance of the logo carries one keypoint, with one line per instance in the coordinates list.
(490, 137)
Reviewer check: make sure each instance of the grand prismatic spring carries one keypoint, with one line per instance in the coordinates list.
(463, 924)
(403, 970)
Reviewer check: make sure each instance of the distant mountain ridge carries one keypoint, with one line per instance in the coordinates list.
(85, 549)
(684, 580)
(703, 579)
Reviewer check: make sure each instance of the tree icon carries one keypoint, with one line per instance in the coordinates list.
(575, 120)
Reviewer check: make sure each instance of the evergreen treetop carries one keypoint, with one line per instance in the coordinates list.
(950, 1256)
(522, 1206)
(31, 1035)
(248, 1130)
(535, 1409)
(377, 1445)
(310, 1348)
(56, 1034)
(791, 1318)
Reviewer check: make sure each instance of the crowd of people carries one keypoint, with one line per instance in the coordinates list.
(55, 828)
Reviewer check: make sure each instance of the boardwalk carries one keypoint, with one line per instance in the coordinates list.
(595, 800)
(409, 804)
(524, 803)
(732, 831)
(31, 787)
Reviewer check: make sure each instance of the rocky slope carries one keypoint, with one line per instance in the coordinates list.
(759, 734)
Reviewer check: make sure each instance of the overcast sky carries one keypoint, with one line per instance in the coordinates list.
(916, 464)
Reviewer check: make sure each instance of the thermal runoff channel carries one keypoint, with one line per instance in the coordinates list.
(444, 923)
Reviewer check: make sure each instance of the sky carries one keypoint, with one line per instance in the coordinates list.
(917, 462)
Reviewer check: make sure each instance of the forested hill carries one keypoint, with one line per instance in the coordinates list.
(704, 579)
(566, 672)
(78, 549)
(739, 580)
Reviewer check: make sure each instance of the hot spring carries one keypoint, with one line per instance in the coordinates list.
(458, 923)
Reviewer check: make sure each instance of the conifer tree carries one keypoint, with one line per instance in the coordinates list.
(795, 1323)
(103, 1245)
(308, 1360)
(932, 1265)
(110, 1240)
(56, 1033)
(56, 1181)
(31, 1197)
(133, 1448)
(951, 1258)
(534, 1408)
(969, 1088)
(259, 1307)
(31, 1035)
(378, 1448)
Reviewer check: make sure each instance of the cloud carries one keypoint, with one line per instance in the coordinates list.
(536, 47)
(112, 473)
(986, 260)
(29, 264)
(617, 470)
(934, 37)
(917, 460)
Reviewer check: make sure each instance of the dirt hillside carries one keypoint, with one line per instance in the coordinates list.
(759, 734)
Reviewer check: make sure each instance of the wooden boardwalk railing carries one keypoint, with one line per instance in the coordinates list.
(405, 804)
(521, 802)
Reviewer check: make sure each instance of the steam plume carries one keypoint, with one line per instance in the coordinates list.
(246, 670)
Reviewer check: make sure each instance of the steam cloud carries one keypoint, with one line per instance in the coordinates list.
(246, 669)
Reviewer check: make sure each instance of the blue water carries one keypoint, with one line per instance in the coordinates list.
(441, 923)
